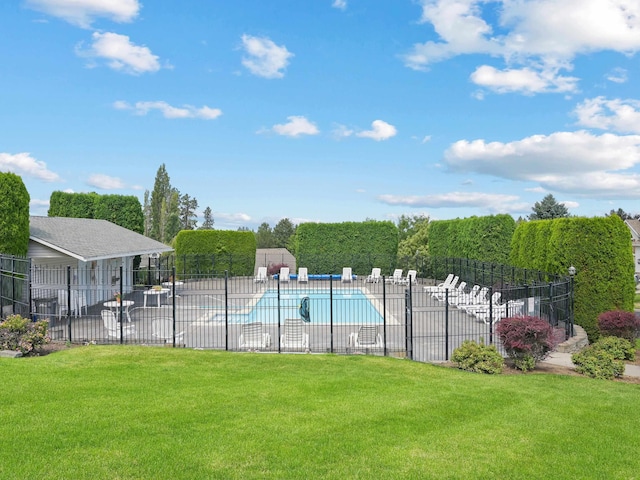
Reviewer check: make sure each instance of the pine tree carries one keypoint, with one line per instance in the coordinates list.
(207, 223)
(548, 208)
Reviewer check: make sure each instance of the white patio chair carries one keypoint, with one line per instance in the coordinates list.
(303, 275)
(366, 337)
(449, 282)
(375, 276)
(442, 295)
(253, 337)
(284, 274)
(411, 277)
(396, 277)
(261, 277)
(346, 275)
(113, 326)
(162, 329)
(294, 337)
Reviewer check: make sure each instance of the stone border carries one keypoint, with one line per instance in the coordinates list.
(575, 343)
(10, 354)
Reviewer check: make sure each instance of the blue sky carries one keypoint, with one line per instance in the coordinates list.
(326, 110)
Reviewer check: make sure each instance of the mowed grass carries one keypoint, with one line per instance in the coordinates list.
(155, 413)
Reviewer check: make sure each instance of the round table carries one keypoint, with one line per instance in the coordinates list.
(112, 304)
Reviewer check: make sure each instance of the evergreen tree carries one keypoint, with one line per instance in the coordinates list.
(160, 200)
(188, 206)
(14, 215)
(548, 208)
(207, 223)
(146, 212)
(282, 233)
(264, 236)
(172, 214)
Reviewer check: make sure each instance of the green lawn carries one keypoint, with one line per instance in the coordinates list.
(154, 413)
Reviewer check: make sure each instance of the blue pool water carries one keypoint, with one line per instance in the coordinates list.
(348, 307)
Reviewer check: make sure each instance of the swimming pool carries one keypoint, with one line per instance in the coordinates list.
(351, 306)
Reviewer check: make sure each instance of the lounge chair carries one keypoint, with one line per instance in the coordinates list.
(375, 276)
(113, 325)
(410, 278)
(284, 274)
(294, 337)
(483, 306)
(63, 304)
(346, 275)
(366, 337)
(448, 283)
(162, 329)
(443, 295)
(253, 337)
(261, 277)
(303, 275)
(396, 277)
(465, 298)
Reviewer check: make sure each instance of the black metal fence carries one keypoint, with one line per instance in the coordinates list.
(404, 317)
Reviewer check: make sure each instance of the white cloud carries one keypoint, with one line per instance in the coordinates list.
(296, 126)
(615, 114)
(617, 75)
(340, 4)
(265, 58)
(341, 131)
(489, 201)
(168, 111)
(233, 218)
(543, 36)
(83, 12)
(426, 139)
(120, 54)
(380, 130)
(24, 164)
(523, 80)
(105, 182)
(576, 162)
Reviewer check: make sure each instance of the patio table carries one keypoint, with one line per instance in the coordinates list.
(114, 305)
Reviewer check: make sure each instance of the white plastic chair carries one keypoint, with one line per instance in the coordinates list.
(162, 328)
(366, 337)
(375, 275)
(113, 326)
(261, 277)
(284, 274)
(253, 337)
(294, 337)
(303, 275)
(346, 275)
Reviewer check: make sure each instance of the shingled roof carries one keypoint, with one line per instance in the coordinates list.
(89, 239)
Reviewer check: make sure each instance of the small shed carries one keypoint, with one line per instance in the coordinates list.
(94, 249)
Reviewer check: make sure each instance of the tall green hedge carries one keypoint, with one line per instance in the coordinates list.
(328, 247)
(478, 238)
(216, 251)
(600, 250)
(123, 210)
(14, 215)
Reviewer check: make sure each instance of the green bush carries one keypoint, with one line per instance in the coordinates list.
(478, 358)
(21, 335)
(597, 363)
(620, 348)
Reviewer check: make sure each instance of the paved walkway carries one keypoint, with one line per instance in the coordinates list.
(564, 359)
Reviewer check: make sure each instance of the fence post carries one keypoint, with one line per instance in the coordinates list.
(491, 311)
(446, 324)
(173, 301)
(384, 315)
(226, 310)
(278, 302)
(331, 313)
(408, 330)
(69, 302)
(121, 309)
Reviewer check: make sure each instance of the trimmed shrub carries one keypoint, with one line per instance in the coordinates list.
(527, 340)
(620, 348)
(598, 363)
(478, 358)
(21, 335)
(273, 269)
(618, 323)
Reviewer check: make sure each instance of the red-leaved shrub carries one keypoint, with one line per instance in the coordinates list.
(527, 340)
(273, 269)
(618, 323)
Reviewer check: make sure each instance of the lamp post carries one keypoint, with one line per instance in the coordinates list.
(572, 274)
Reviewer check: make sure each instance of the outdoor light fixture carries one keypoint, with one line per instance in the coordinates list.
(572, 271)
